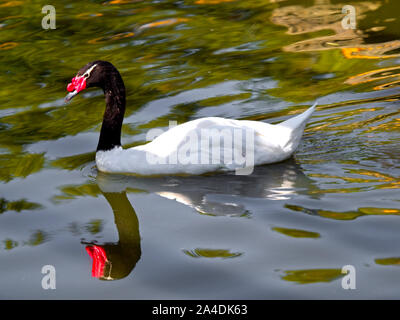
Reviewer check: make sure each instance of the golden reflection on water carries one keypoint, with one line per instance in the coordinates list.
(346, 215)
(296, 233)
(324, 16)
(121, 1)
(381, 75)
(129, 34)
(212, 1)
(372, 51)
(395, 261)
(379, 181)
(211, 253)
(8, 45)
(161, 23)
(117, 36)
(11, 4)
(318, 17)
(308, 276)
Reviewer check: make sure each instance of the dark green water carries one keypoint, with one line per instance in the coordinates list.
(285, 231)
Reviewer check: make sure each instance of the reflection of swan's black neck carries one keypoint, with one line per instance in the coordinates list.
(125, 218)
(122, 256)
(114, 92)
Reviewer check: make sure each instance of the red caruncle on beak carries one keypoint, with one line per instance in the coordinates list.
(77, 84)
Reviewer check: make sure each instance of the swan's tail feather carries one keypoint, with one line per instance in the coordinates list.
(296, 126)
(300, 120)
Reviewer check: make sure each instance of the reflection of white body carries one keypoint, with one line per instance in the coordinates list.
(218, 194)
(268, 144)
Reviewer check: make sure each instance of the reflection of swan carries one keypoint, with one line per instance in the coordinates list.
(113, 261)
(219, 194)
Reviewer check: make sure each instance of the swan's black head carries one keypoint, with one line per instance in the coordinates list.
(95, 74)
(104, 75)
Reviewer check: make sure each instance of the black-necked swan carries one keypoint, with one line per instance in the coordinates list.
(194, 147)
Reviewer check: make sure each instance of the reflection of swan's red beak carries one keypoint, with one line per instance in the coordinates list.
(99, 258)
(76, 85)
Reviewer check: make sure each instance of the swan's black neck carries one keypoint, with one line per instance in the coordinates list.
(114, 92)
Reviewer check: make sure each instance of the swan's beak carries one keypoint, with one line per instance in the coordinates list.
(70, 95)
(77, 84)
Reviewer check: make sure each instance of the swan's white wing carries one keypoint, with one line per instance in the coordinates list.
(211, 141)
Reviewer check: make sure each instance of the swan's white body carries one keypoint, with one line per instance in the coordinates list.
(187, 148)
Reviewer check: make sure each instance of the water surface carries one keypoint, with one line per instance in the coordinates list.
(283, 232)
